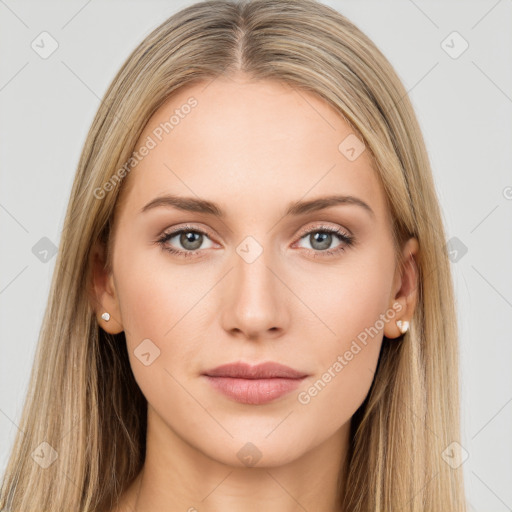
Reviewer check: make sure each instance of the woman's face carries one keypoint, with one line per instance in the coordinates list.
(309, 288)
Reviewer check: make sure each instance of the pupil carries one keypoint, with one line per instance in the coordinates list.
(325, 240)
(188, 238)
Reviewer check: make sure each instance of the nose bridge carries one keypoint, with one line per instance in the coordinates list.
(253, 302)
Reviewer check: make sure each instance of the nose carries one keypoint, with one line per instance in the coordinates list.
(254, 299)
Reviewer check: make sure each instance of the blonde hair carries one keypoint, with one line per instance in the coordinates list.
(83, 399)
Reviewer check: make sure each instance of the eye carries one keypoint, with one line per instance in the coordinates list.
(190, 239)
(321, 238)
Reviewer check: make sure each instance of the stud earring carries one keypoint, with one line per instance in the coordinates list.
(403, 326)
(105, 316)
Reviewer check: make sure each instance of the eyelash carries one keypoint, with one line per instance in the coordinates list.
(347, 241)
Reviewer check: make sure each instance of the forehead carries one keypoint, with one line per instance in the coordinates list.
(244, 143)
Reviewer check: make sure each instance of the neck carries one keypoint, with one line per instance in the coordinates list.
(177, 476)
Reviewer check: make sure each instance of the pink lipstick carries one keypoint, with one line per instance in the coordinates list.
(254, 385)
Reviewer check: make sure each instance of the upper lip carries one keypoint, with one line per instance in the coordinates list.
(266, 370)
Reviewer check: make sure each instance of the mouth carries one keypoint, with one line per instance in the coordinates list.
(254, 385)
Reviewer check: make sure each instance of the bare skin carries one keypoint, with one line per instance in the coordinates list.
(253, 148)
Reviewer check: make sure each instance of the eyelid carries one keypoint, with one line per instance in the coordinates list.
(186, 227)
(324, 225)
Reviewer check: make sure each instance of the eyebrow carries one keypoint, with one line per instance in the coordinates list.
(192, 204)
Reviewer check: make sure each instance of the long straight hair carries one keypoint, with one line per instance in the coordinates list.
(83, 399)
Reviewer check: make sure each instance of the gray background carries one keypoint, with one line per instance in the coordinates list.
(464, 106)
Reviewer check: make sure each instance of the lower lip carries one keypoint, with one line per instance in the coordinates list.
(254, 391)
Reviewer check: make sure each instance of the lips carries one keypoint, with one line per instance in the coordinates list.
(254, 385)
(269, 370)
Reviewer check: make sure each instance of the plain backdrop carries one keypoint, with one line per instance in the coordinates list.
(463, 100)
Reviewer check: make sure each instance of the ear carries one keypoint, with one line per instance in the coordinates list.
(405, 289)
(104, 293)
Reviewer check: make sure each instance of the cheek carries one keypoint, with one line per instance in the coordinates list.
(349, 300)
(158, 302)
(353, 306)
(161, 304)
(154, 295)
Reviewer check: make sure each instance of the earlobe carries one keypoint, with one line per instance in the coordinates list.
(407, 294)
(106, 305)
